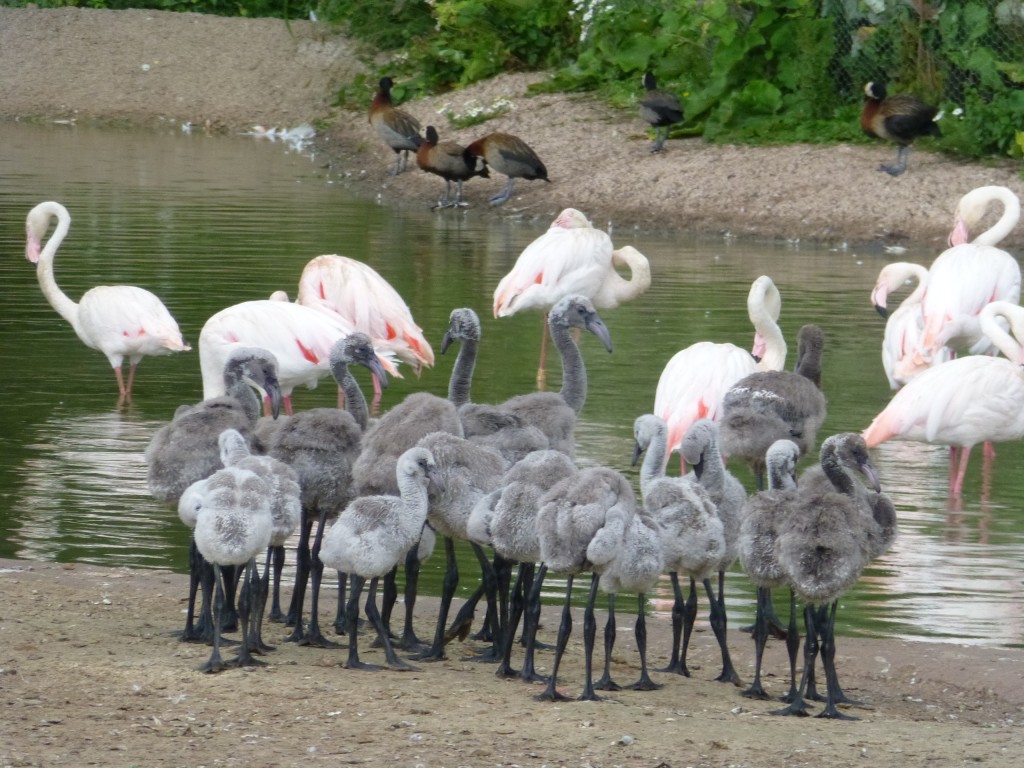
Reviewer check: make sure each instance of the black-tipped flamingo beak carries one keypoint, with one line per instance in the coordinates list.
(596, 326)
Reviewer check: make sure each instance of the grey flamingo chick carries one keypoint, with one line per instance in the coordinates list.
(823, 546)
(286, 512)
(570, 516)
(627, 554)
(506, 519)
(555, 413)
(776, 405)
(700, 449)
(372, 535)
(322, 445)
(230, 512)
(468, 472)
(187, 450)
(693, 538)
(758, 537)
(401, 428)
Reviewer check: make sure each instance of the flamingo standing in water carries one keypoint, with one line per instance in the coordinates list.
(359, 295)
(696, 379)
(118, 320)
(963, 402)
(905, 326)
(969, 275)
(299, 337)
(572, 257)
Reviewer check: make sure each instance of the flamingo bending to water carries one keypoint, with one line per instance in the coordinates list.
(118, 320)
(359, 295)
(299, 337)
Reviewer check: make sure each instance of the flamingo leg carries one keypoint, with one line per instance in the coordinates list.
(640, 630)
(551, 693)
(717, 619)
(957, 488)
(605, 683)
(531, 621)
(589, 635)
(677, 627)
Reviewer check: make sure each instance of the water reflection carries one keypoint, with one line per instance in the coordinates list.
(209, 222)
(83, 494)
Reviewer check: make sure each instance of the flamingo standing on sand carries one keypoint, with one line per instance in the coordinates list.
(696, 378)
(118, 320)
(969, 275)
(299, 337)
(572, 257)
(963, 402)
(358, 294)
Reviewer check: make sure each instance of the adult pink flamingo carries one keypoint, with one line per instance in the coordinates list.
(572, 257)
(359, 295)
(696, 378)
(299, 337)
(965, 401)
(969, 275)
(118, 320)
(905, 326)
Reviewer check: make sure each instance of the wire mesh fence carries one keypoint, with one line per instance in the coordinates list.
(945, 51)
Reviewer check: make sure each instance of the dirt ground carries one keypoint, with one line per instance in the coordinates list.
(91, 672)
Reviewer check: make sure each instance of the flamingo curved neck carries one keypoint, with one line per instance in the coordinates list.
(1011, 346)
(462, 373)
(837, 474)
(912, 271)
(764, 313)
(59, 300)
(618, 288)
(1006, 223)
(653, 467)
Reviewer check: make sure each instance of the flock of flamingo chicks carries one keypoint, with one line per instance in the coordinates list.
(368, 496)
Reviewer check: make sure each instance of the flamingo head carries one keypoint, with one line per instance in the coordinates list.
(961, 232)
(760, 347)
(570, 218)
(463, 325)
(577, 311)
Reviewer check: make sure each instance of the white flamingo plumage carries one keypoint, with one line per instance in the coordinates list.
(357, 293)
(963, 402)
(118, 320)
(696, 378)
(572, 257)
(904, 327)
(969, 275)
(299, 337)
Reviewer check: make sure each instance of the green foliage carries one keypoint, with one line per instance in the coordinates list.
(448, 43)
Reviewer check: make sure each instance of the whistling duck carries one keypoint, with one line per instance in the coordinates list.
(899, 118)
(511, 156)
(660, 109)
(450, 161)
(397, 127)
